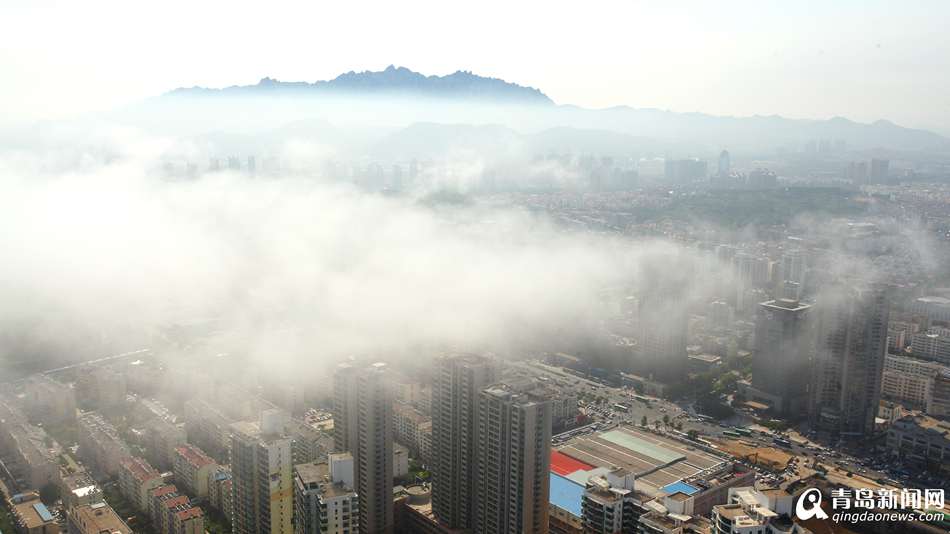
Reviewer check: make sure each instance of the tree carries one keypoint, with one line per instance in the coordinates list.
(643, 421)
(666, 419)
(49, 493)
(693, 434)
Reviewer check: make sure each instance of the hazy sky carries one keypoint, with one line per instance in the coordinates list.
(861, 59)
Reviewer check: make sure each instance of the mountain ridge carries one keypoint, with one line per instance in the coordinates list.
(393, 80)
(398, 96)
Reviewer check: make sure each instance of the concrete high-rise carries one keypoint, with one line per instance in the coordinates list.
(780, 362)
(323, 505)
(512, 478)
(793, 273)
(363, 426)
(261, 484)
(662, 335)
(848, 362)
(458, 381)
(725, 166)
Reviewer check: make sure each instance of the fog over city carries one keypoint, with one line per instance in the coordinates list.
(389, 282)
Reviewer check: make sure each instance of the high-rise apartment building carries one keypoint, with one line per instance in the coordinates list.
(849, 358)
(780, 362)
(363, 426)
(662, 335)
(261, 484)
(458, 381)
(512, 477)
(323, 505)
(725, 166)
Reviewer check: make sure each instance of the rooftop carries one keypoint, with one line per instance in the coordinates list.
(194, 456)
(100, 517)
(33, 513)
(566, 494)
(656, 461)
(140, 469)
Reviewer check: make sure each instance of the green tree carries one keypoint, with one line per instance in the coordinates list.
(643, 421)
(49, 493)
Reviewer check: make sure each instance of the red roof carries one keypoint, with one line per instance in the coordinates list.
(189, 513)
(139, 468)
(563, 464)
(164, 490)
(194, 456)
(176, 501)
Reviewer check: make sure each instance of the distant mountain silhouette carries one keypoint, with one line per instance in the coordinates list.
(392, 81)
(397, 97)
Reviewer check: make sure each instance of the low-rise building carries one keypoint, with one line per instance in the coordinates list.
(921, 438)
(208, 429)
(161, 437)
(187, 520)
(136, 479)
(33, 452)
(934, 345)
(95, 519)
(939, 403)
(413, 429)
(192, 468)
(49, 401)
(909, 380)
(413, 514)
(611, 505)
(219, 490)
(31, 516)
(100, 445)
(660, 522)
(752, 512)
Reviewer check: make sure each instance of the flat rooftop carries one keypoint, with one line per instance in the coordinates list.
(566, 494)
(656, 461)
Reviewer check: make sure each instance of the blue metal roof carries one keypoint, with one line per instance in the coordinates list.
(566, 494)
(680, 487)
(43, 512)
